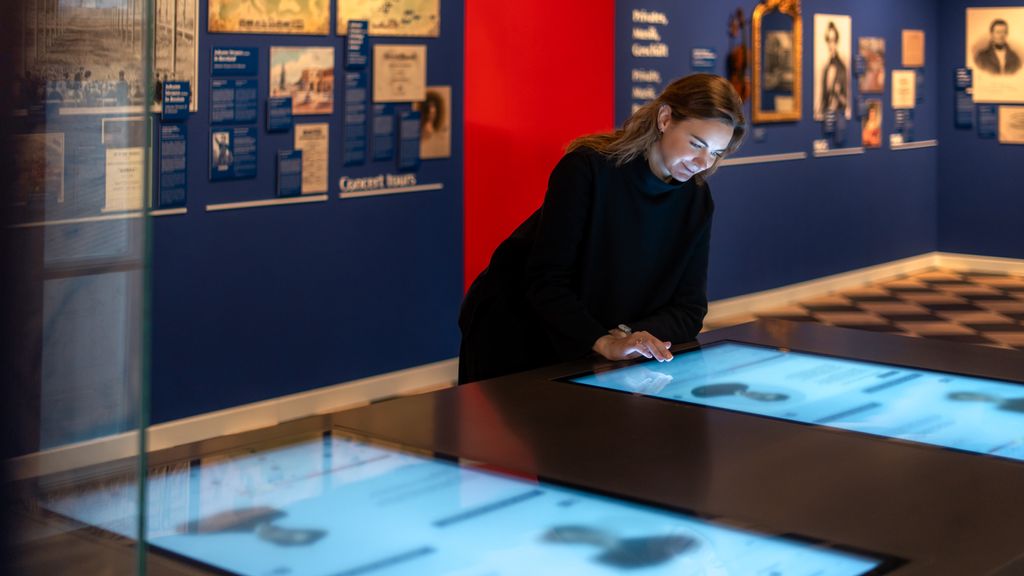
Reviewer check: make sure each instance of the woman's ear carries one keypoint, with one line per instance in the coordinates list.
(664, 117)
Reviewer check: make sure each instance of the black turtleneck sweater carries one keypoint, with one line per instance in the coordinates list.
(609, 245)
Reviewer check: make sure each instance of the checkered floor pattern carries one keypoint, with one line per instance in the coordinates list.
(973, 308)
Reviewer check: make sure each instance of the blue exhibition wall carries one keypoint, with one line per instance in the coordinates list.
(253, 303)
(784, 222)
(981, 204)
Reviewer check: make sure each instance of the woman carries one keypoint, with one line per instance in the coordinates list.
(615, 260)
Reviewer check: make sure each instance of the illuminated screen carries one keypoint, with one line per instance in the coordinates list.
(341, 507)
(961, 412)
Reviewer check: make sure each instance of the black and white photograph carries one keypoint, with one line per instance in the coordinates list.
(832, 51)
(994, 51)
(87, 57)
(778, 60)
(435, 123)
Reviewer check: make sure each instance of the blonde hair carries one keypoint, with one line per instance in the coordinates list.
(703, 96)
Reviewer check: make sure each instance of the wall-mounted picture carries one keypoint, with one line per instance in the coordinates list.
(306, 74)
(872, 51)
(435, 122)
(832, 52)
(392, 17)
(871, 124)
(96, 65)
(176, 48)
(994, 51)
(270, 16)
(778, 60)
(39, 159)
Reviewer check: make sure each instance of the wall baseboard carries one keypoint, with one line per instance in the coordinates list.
(443, 374)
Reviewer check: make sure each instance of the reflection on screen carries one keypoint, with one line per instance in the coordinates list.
(966, 413)
(337, 506)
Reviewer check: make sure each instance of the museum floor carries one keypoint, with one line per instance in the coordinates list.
(973, 308)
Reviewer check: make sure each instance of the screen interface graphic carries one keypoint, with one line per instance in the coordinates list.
(961, 412)
(339, 506)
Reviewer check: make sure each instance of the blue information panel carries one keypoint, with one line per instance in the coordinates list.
(336, 505)
(232, 153)
(383, 131)
(177, 97)
(356, 48)
(279, 114)
(408, 140)
(963, 79)
(356, 95)
(234, 61)
(988, 120)
(173, 165)
(233, 102)
(948, 410)
(289, 173)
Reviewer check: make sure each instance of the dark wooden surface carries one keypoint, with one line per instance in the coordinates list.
(946, 512)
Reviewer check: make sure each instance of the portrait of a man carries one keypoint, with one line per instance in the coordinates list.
(998, 57)
(832, 47)
(993, 49)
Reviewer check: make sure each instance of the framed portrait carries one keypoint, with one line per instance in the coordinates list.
(435, 122)
(306, 73)
(871, 124)
(392, 17)
(832, 74)
(872, 52)
(776, 32)
(995, 52)
(312, 17)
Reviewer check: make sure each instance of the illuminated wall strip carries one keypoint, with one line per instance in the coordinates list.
(764, 159)
(839, 152)
(915, 145)
(269, 202)
(105, 217)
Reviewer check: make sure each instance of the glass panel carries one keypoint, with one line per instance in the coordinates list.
(777, 74)
(337, 504)
(949, 410)
(74, 263)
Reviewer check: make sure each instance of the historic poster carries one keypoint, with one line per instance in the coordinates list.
(393, 17)
(270, 16)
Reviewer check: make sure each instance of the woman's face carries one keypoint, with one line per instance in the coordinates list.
(688, 147)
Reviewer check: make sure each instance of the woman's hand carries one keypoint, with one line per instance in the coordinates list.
(618, 345)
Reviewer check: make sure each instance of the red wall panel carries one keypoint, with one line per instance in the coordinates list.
(538, 74)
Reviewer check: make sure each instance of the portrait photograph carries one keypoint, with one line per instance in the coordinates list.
(832, 65)
(871, 124)
(994, 51)
(778, 61)
(306, 74)
(311, 17)
(872, 51)
(435, 122)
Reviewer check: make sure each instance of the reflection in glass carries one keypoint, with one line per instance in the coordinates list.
(74, 223)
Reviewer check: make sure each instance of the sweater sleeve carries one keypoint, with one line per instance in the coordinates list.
(682, 319)
(554, 258)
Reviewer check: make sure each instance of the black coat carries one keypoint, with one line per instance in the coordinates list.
(988, 61)
(609, 245)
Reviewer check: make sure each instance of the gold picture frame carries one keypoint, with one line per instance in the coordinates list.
(781, 74)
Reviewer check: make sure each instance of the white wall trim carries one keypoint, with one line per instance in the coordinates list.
(238, 419)
(832, 152)
(964, 262)
(915, 145)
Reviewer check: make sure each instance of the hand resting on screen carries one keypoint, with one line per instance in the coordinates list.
(617, 345)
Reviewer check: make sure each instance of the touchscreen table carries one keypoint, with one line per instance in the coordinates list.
(965, 413)
(338, 505)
